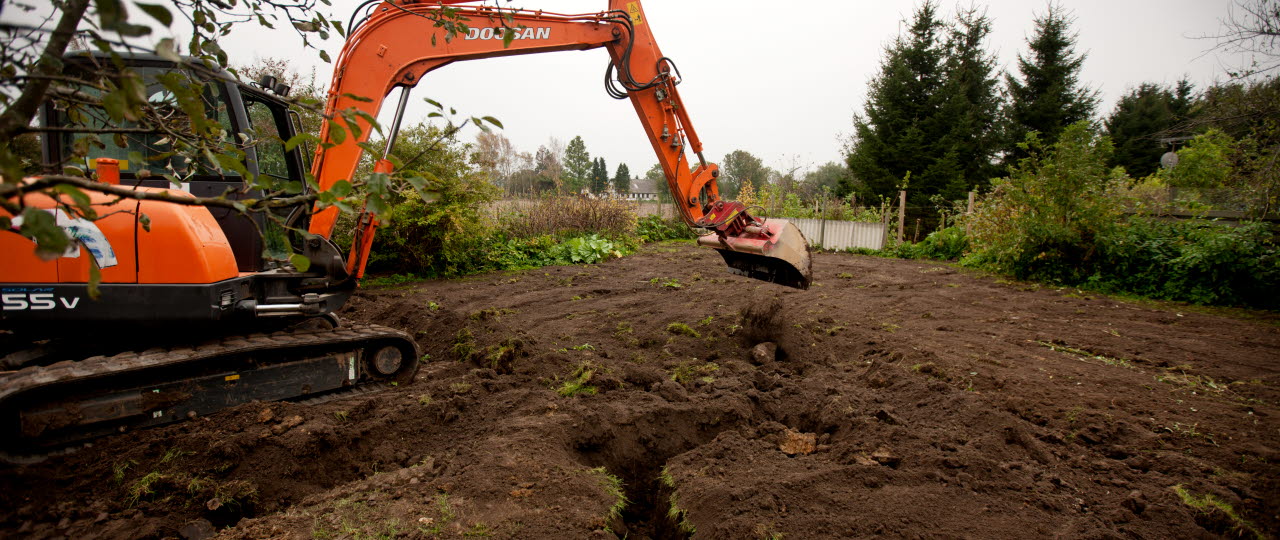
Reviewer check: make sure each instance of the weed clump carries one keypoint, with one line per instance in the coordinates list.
(682, 329)
(690, 371)
(578, 382)
(1218, 515)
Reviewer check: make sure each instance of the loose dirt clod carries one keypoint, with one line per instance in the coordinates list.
(762, 320)
(764, 353)
(799, 443)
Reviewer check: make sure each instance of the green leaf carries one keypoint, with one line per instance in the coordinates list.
(325, 56)
(275, 242)
(95, 277)
(295, 140)
(115, 104)
(39, 225)
(79, 198)
(145, 221)
(341, 188)
(157, 12)
(508, 37)
(493, 121)
(300, 261)
(73, 171)
(336, 133)
(111, 13)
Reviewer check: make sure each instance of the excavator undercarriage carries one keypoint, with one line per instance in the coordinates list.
(45, 407)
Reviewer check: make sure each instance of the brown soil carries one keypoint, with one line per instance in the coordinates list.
(904, 398)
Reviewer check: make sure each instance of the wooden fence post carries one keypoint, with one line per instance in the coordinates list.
(902, 214)
(968, 214)
(822, 234)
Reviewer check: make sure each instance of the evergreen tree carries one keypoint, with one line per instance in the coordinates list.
(1140, 118)
(622, 179)
(1049, 97)
(599, 176)
(970, 110)
(577, 166)
(931, 112)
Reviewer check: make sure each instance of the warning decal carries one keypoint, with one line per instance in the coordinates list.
(633, 8)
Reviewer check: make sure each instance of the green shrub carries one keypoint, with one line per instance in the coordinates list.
(653, 228)
(1044, 221)
(1191, 261)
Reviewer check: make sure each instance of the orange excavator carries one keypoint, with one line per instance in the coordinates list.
(224, 321)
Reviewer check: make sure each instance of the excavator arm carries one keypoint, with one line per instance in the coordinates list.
(400, 42)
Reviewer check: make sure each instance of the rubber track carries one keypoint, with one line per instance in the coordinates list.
(32, 378)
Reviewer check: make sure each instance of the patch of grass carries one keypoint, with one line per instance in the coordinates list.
(677, 515)
(613, 487)
(174, 453)
(460, 387)
(890, 327)
(766, 532)
(393, 279)
(120, 468)
(478, 530)
(424, 399)
(444, 510)
(1218, 509)
(682, 329)
(707, 321)
(666, 283)
(144, 487)
(464, 344)
(1088, 355)
(340, 416)
(689, 371)
(1190, 431)
(623, 329)
(490, 313)
(433, 306)
(578, 382)
(844, 275)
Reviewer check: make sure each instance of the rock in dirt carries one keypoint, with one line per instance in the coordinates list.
(199, 529)
(764, 353)
(672, 391)
(799, 443)
(886, 457)
(266, 416)
(288, 424)
(1135, 502)
(887, 417)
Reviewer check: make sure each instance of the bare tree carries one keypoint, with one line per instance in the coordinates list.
(1251, 30)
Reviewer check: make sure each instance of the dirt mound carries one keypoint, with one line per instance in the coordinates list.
(624, 400)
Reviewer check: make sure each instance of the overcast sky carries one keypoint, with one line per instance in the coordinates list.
(780, 80)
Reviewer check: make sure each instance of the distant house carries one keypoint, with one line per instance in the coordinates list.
(642, 189)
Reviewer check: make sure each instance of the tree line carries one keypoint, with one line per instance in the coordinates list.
(941, 119)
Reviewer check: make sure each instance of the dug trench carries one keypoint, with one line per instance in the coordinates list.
(629, 400)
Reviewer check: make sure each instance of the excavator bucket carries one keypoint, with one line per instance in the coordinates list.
(775, 251)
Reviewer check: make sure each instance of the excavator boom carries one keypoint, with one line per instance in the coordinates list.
(399, 43)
